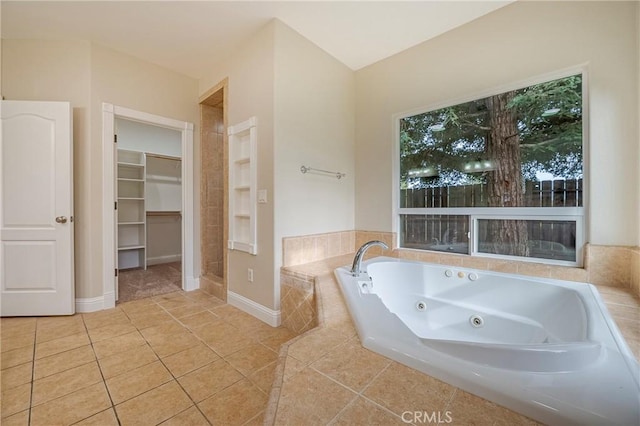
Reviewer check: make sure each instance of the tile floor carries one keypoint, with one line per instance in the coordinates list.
(176, 359)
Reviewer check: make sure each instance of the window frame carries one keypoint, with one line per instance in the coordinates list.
(577, 214)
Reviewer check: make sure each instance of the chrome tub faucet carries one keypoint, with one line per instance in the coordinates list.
(357, 260)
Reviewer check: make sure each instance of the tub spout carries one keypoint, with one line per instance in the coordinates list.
(357, 260)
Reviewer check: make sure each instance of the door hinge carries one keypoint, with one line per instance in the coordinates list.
(115, 138)
(115, 205)
(116, 271)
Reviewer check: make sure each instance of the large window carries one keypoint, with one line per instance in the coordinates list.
(499, 176)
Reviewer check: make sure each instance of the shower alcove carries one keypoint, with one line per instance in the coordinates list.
(213, 192)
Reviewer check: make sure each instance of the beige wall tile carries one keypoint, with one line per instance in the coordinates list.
(609, 265)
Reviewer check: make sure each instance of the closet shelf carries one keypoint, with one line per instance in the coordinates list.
(242, 160)
(242, 188)
(131, 198)
(131, 180)
(132, 165)
(130, 223)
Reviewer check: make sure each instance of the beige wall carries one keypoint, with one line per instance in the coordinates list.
(88, 75)
(250, 72)
(314, 126)
(515, 43)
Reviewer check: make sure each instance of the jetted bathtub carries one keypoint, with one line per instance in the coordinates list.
(545, 348)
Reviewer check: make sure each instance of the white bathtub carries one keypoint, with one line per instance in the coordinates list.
(545, 348)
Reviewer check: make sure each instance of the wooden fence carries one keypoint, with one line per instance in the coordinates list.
(548, 193)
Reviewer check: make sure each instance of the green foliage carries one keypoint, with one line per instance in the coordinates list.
(549, 121)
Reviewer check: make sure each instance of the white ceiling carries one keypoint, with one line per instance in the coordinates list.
(190, 37)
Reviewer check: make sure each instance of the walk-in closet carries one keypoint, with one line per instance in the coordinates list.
(149, 210)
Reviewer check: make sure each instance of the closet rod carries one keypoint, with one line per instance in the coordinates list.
(164, 157)
(163, 213)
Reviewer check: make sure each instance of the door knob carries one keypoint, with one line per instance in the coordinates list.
(61, 219)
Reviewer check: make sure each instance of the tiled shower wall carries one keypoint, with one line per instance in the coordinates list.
(212, 192)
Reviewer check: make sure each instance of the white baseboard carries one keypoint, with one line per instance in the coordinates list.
(263, 313)
(109, 300)
(192, 283)
(91, 304)
(164, 259)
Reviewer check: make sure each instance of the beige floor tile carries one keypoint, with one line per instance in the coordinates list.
(351, 364)
(190, 359)
(199, 319)
(73, 407)
(63, 361)
(16, 329)
(317, 344)
(162, 330)
(23, 323)
(62, 344)
(176, 302)
(292, 367)
(275, 337)
(118, 344)
(138, 381)
(466, 408)
(153, 407)
(16, 357)
(103, 318)
(16, 376)
(190, 417)
(252, 358)
(58, 321)
(112, 330)
(401, 388)
(365, 413)
(45, 334)
(263, 378)
(311, 398)
(103, 418)
(10, 343)
(18, 419)
(258, 420)
(209, 380)
(173, 343)
(136, 306)
(235, 405)
(151, 319)
(126, 361)
(15, 400)
(223, 338)
(185, 311)
(65, 382)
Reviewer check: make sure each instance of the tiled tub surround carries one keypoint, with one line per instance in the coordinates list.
(325, 375)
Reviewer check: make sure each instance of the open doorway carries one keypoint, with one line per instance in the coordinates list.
(110, 211)
(213, 192)
(149, 214)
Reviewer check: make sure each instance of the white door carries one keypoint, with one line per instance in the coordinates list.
(36, 222)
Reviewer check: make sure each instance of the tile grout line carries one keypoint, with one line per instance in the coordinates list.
(33, 372)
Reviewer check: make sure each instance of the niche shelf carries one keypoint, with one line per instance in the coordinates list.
(242, 186)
